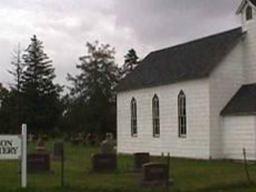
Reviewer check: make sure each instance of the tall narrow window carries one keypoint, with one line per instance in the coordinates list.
(133, 118)
(248, 13)
(155, 116)
(182, 114)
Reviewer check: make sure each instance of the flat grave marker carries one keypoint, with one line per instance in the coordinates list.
(103, 162)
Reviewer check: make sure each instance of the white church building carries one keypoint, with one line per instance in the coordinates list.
(194, 100)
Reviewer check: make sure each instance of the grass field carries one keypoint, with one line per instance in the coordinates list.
(188, 175)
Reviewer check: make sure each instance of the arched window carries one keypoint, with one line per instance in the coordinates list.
(182, 119)
(248, 13)
(133, 117)
(155, 116)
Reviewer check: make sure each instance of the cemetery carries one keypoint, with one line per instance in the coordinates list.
(175, 119)
(92, 168)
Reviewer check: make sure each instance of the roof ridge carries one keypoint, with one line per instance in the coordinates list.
(197, 40)
(191, 60)
(249, 84)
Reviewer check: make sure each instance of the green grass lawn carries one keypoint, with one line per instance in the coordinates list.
(188, 175)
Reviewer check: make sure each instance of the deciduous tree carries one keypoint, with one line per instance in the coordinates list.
(93, 89)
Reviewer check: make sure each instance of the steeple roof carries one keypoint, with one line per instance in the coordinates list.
(253, 2)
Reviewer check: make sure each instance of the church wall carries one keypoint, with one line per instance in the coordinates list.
(250, 47)
(225, 81)
(239, 132)
(195, 145)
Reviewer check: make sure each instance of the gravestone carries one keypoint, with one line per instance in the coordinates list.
(58, 149)
(40, 145)
(30, 138)
(107, 146)
(91, 139)
(155, 174)
(38, 162)
(75, 141)
(102, 162)
(140, 159)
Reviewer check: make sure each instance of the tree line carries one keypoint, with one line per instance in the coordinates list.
(89, 105)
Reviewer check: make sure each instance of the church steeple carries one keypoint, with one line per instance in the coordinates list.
(247, 11)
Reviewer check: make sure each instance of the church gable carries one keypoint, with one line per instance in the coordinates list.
(191, 60)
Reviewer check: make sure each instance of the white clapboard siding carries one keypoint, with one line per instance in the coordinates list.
(225, 81)
(249, 48)
(238, 133)
(196, 145)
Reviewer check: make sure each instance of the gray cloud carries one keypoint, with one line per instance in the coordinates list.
(164, 22)
(64, 26)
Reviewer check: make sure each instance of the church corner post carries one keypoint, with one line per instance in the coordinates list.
(24, 156)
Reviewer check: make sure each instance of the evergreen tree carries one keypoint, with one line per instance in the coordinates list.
(93, 88)
(40, 94)
(131, 60)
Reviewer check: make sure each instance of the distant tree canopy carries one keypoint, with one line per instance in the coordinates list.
(5, 109)
(3, 93)
(131, 61)
(92, 91)
(88, 107)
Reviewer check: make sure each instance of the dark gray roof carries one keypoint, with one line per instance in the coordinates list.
(253, 2)
(243, 102)
(192, 60)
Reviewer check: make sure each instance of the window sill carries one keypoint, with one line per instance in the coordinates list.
(134, 135)
(156, 136)
(183, 136)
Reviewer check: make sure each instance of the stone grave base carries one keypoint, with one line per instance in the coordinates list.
(104, 162)
(157, 183)
(156, 175)
(38, 162)
(139, 160)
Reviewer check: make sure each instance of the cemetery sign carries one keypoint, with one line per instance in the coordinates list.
(15, 147)
(10, 147)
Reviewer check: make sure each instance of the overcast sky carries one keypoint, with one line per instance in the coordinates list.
(145, 25)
